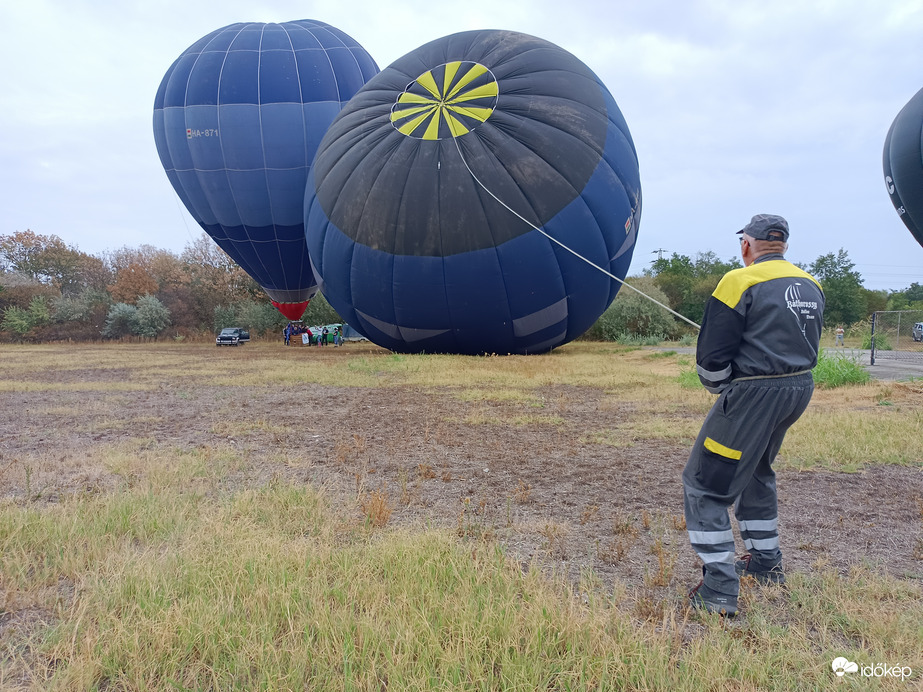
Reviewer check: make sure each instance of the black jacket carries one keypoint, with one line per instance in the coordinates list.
(763, 320)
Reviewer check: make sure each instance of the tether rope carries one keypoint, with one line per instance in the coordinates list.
(555, 240)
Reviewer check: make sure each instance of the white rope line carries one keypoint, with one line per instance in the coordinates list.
(555, 240)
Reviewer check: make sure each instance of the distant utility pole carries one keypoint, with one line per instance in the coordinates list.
(659, 252)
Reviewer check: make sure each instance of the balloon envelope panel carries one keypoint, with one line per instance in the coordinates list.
(430, 184)
(903, 165)
(238, 118)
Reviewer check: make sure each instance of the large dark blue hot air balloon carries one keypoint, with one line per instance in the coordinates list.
(903, 165)
(237, 120)
(429, 185)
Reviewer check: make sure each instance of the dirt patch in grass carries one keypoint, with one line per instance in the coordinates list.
(534, 477)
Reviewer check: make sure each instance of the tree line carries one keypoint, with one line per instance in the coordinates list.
(50, 291)
(685, 284)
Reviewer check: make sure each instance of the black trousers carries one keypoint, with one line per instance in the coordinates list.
(731, 463)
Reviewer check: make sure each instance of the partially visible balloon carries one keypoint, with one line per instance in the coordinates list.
(237, 120)
(903, 165)
(429, 185)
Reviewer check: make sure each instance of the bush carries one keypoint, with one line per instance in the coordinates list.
(839, 369)
(152, 317)
(225, 316)
(882, 342)
(634, 317)
(320, 312)
(21, 322)
(122, 320)
(260, 317)
(81, 307)
(16, 320)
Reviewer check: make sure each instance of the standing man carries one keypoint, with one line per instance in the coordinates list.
(757, 347)
(839, 335)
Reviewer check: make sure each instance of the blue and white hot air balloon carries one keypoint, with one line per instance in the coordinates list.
(902, 161)
(237, 121)
(428, 188)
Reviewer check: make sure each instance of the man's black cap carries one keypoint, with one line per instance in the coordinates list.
(766, 227)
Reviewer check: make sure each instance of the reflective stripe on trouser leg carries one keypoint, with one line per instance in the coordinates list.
(713, 546)
(709, 529)
(761, 538)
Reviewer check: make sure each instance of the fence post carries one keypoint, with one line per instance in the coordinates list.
(872, 356)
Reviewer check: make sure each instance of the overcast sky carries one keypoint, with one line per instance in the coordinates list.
(735, 108)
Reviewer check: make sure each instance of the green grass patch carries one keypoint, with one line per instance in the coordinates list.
(839, 369)
(661, 354)
(688, 377)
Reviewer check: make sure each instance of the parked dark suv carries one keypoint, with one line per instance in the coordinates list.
(232, 336)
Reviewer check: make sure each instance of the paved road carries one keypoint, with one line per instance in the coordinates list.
(889, 365)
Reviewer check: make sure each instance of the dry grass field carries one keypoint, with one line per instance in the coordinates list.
(565, 466)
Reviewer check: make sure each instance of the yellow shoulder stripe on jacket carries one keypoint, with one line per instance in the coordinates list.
(721, 450)
(736, 282)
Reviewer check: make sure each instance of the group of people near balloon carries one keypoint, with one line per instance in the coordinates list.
(322, 337)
